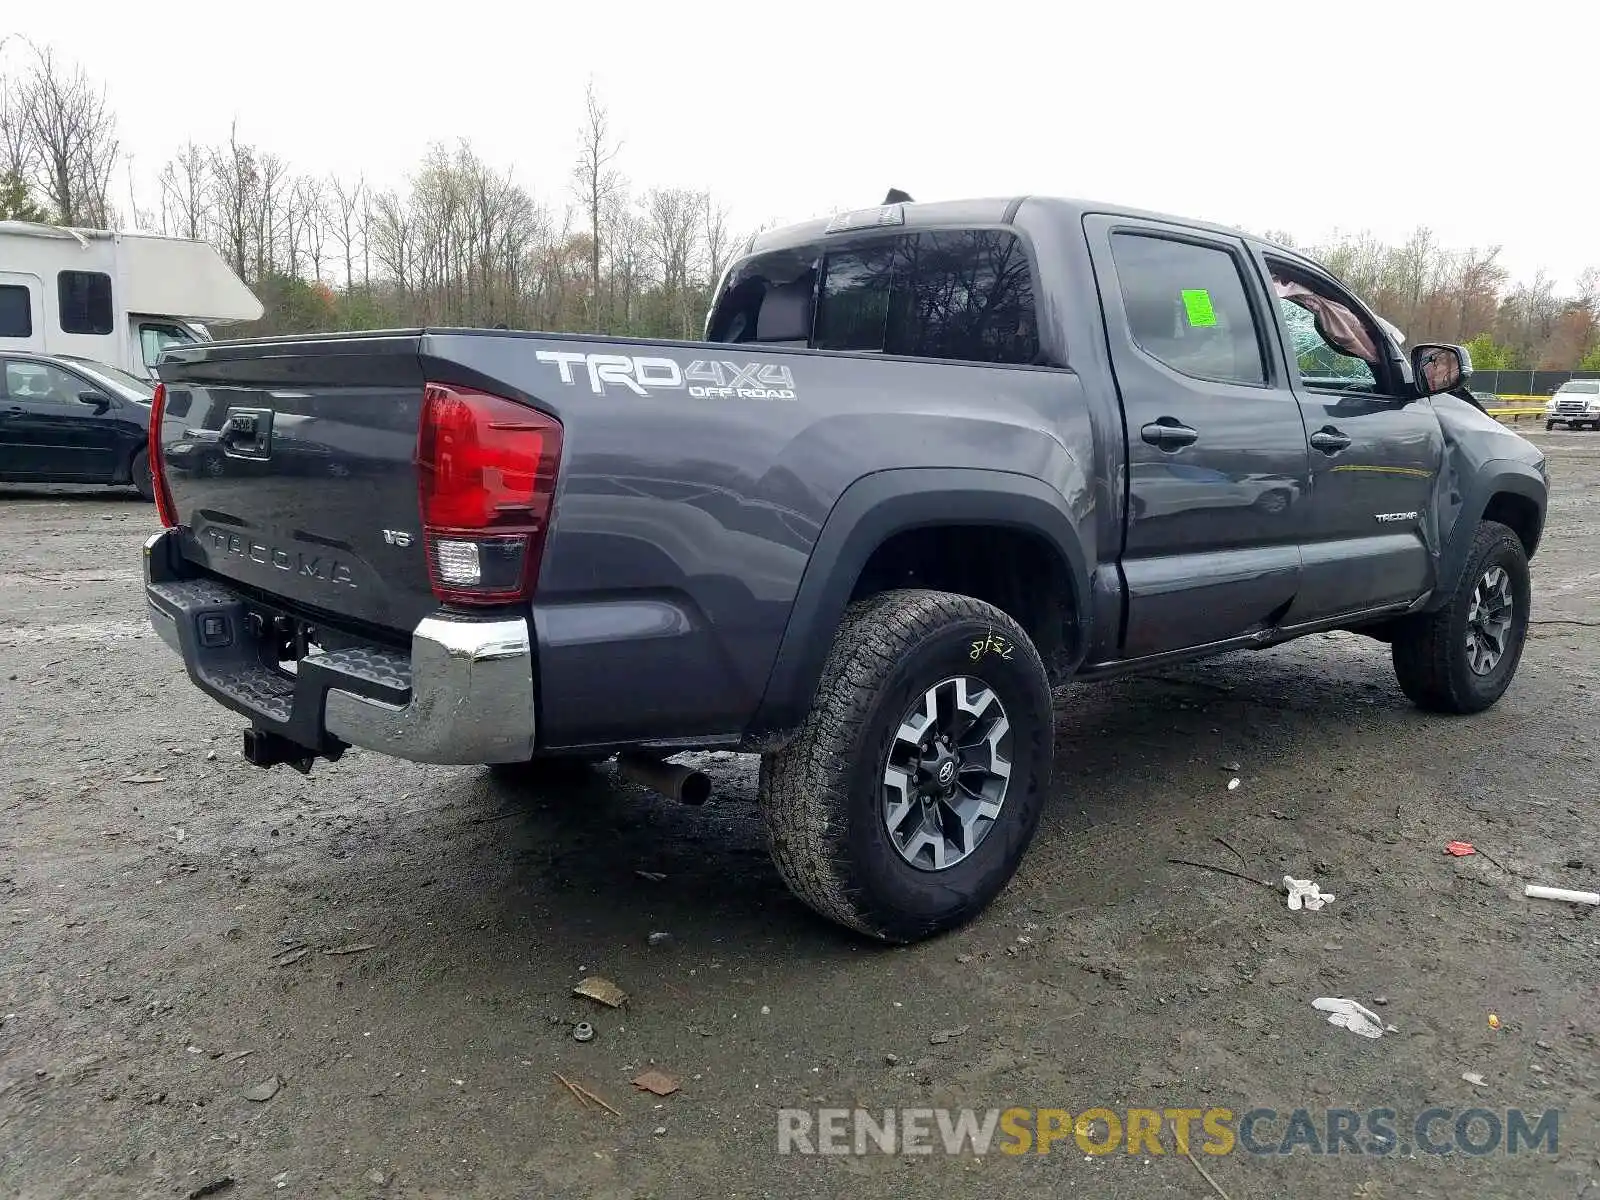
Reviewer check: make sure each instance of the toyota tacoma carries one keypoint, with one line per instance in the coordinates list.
(931, 462)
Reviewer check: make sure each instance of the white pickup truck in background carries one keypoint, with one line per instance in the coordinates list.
(1575, 403)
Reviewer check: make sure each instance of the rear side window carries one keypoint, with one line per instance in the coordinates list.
(85, 301)
(1187, 307)
(964, 295)
(16, 311)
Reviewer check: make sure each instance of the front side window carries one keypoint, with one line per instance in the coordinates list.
(962, 295)
(85, 302)
(16, 311)
(40, 383)
(155, 338)
(1187, 307)
(1333, 346)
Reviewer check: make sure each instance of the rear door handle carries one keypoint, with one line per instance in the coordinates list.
(1329, 440)
(1168, 433)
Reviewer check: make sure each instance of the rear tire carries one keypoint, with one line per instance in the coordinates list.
(140, 476)
(1461, 659)
(849, 809)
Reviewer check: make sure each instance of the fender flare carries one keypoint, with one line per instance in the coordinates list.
(869, 512)
(1495, 476)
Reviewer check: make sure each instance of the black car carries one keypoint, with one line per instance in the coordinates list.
(73, 420)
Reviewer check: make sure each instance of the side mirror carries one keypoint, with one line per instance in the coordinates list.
(95, 398)
(1436, 368)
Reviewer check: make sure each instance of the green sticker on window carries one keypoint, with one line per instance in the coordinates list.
(1197, 303)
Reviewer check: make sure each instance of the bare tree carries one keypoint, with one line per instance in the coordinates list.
(717, 240)
(187, 195)
(390, 239)
(312, 209)
(596, 183)
(269, 211)
(74, 137)
(343, 206)
(17, 154)
(672, 224)
(234, 186)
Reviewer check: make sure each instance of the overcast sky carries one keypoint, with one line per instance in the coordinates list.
(1477, 120)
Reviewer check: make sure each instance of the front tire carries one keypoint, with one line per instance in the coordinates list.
(905, 802)
(141, 478)
(1461, 659)
(1549, 425)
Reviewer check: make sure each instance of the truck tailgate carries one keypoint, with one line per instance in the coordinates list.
(291, 469)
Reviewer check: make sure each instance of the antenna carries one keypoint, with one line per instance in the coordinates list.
(896, 196)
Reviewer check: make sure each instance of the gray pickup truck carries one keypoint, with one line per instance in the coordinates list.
(931, 462)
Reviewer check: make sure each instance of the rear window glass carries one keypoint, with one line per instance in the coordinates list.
(85, 301)
(16, 311)
(1590, 386)
(963, 295)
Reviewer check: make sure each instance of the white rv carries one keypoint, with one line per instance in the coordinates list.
(121, 298)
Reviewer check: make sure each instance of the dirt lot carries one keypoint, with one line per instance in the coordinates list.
(156, 893)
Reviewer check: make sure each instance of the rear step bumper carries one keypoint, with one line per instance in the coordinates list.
(464, 695)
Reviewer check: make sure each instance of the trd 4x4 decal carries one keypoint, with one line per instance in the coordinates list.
(704, 378)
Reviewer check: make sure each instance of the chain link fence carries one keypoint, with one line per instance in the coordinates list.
(1532, 384)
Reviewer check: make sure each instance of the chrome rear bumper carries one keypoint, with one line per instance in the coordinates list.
(463, 695)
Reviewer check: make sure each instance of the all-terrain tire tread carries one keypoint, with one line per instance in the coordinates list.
(1422, 646)
(805, 785)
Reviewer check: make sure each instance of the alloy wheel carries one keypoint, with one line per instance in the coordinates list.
(947, 773)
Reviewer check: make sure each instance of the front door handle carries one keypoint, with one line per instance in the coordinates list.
(1329, 440)
(1167, 433)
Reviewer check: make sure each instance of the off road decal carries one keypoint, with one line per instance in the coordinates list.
(703, 379)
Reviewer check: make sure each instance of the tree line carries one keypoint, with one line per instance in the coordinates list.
(465, 243)
(1438, 294)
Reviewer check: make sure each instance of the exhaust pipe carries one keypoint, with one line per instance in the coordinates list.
(673, 780)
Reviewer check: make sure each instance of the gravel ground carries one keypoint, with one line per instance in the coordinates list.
(157, 895)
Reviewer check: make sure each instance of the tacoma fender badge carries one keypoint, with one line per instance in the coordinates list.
(1389, 518)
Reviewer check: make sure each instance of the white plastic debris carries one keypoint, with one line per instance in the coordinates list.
(1475, 1079)
(1233, 785)
(1304, 893)
(1539, 892)
(1357, 1018)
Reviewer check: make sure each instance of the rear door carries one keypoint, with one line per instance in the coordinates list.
(1375, 450)
(46, 432)
(1217, 466)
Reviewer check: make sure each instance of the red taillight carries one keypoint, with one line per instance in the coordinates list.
(158, 472)
(486, 471)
